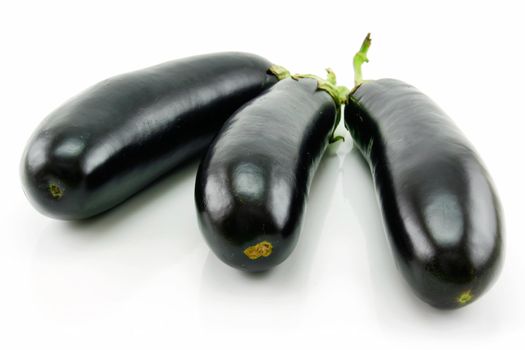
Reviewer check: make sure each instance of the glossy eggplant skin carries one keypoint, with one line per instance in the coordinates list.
(439, 207)
(117, 137)
(252, 185)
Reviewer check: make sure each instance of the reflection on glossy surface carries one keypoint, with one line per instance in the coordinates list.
(443, 217)
(248, 182)
(86, 270)
(69, 149)
(218, 197)
(280, 199)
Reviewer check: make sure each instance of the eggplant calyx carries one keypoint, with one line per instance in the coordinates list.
(279, 71)
(338, 93)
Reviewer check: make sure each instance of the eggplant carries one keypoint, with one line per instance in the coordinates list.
(439, 206)
(252, 185)
(119, 136)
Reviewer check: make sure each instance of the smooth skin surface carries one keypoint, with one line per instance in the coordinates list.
(439, 207)
(251, 187)
(114, 139)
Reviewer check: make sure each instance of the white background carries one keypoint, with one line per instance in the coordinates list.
(141, 276)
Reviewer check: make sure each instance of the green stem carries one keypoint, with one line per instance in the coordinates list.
(359, 59)
(279, 71)
(330, 76)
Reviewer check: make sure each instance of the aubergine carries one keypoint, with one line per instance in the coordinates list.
(438, 203)
(252, 185)
(122, 134)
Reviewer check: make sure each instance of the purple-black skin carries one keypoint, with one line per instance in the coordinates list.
(119, 136)
(252, 185)
(439, 206)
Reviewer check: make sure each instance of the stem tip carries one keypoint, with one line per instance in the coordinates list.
(360, 58)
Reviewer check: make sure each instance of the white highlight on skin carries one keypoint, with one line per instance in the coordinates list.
(217, 198)
(69, 149)
(444, 219)
(483, 225)
(248, 182)
(280, 201)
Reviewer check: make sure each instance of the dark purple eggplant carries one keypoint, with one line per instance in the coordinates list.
(252, 185)
(438, 203)
(119, 136)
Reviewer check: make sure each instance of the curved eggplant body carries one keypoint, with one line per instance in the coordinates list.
(439, 207)
(252, 185)
(117, 137)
